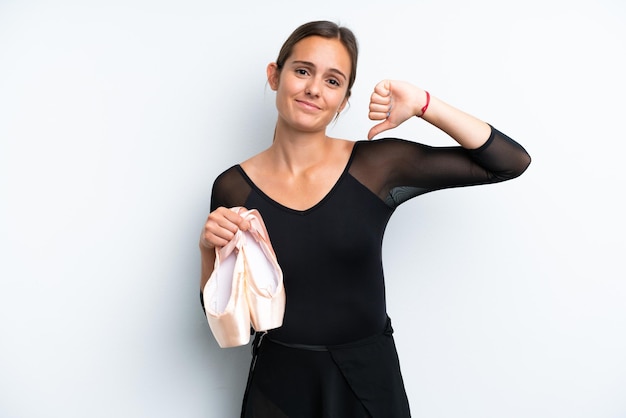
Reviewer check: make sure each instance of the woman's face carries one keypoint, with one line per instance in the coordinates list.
(312, 85)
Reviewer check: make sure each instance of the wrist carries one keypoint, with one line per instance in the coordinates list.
(206, 247)
(425, 104)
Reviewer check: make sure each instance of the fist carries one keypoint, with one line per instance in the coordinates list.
(220, 227)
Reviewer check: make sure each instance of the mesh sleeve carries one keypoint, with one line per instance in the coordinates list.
(397, 170)
(230, 189)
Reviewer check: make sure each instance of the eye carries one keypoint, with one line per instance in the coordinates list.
(301, 71)
(334, 82)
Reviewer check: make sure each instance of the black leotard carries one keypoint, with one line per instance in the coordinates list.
(331, 253)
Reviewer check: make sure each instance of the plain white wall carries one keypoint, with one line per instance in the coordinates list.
(115, 117)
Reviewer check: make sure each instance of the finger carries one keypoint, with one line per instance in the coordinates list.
(213, 236)
(380, 108)
(244, 225)
(223, 218)
(239, 222)
(235, 220)
(213, 241)
(380, 111)
(380, 98)
(379, 115)
(377, 100)
(383, 88)
(221, 226)
(381, 101)
(376, 129)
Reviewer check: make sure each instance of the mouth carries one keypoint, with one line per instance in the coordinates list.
(308, 105)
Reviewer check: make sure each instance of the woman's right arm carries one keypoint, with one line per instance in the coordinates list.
(219, 228)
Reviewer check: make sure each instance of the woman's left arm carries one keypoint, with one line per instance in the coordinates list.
(394, 102)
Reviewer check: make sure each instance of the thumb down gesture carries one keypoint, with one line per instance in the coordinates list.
(393, 102)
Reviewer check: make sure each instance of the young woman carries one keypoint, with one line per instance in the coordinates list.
(326, 203)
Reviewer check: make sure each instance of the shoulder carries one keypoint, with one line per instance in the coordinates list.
(342, 150)
(384, 147)
(256, 162)
(344, 144)
(227, 174)
(227, 180)
(230, 188)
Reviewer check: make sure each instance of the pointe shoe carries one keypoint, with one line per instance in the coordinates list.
(264, 278)
(224, 296)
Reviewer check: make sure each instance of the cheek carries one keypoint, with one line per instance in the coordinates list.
(283, 95)
(341, 100)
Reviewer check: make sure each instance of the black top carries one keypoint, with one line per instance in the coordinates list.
(331, 253)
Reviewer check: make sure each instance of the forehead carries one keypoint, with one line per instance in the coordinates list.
(322, 52)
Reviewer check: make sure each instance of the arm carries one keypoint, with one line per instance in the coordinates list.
(405, 169)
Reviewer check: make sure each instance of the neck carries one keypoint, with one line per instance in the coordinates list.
(297, 151)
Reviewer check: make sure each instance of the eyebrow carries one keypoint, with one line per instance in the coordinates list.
(310, 64)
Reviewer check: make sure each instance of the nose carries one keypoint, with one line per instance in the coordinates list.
(313, 87)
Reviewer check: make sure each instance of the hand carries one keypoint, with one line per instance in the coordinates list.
(393, 102)
(220, 227)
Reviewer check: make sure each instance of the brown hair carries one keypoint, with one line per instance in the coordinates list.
(327, 30)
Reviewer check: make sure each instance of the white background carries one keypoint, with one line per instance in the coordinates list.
(115, 117)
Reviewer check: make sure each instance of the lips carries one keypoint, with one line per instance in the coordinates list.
(308, 105)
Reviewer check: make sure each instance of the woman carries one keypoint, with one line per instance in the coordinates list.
(326, 203)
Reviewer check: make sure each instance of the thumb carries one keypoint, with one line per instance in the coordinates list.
(381, 127)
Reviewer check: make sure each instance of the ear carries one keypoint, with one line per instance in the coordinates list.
(273, 74)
